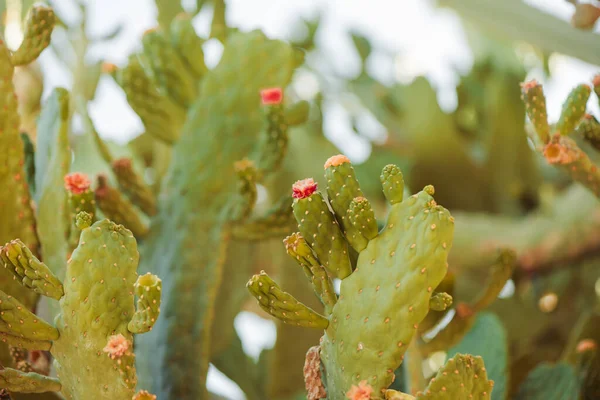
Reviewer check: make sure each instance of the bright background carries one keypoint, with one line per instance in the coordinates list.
(411, 38)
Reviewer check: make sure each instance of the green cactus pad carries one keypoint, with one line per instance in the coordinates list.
(395, 274)
(361, 225)
(318, 225)
(282, 305)
(16, 320)
(273, 144)
(30, 271)
(187, 44)
(550, 382)
(533, 96)
(148, 290)
(133, 185)
(93, 356)
(117, 208)
(17, 381)
(38, 30)
(589, 129)
(167, 69)
(299, 250)
(488, 339)
(161, 116)
(573, 109)
(440, 301)
(393, 183)
(342, 187)
(463, 377)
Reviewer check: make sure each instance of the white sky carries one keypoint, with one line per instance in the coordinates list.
(426, 40)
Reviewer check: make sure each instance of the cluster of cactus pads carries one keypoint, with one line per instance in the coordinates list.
(388, 278)
(125, 324)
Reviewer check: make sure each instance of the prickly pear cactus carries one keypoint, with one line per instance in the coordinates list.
(387, 292)
(93, 337)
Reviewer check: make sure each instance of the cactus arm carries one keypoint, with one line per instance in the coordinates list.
(361, 223)
(167, 11)
(168, 70)
(275, 222)
(16, 320)
(148, 290)
(393, 183)
(31, 272)
(589, 129)
(16, 214)
(282, 305)
(532, 94)
(29, 150)
(17, 381)
(188, 44)
(298, 249)
(342, 189)
(118, 208)
(499, 274)
(319, 227)
(161, 117)
(27, 344)
(53, 158)
(573, 109)
(133, 185)
(81, 199)
(558, 149)
(38, 30)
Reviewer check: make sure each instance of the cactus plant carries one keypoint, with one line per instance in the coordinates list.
(387, 264)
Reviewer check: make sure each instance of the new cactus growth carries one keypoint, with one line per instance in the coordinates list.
(93, 337)
(395, 274)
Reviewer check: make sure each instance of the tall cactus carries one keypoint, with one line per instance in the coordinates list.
(384, 296)
(221, 129)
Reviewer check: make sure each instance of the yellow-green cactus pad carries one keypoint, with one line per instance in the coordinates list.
(147, 289)
(94, 356)
(161, 116)
(187, 44)
(17, 381)
(342, 188)
(167, 69)
(573, 109)
(31, 272)
(320, 228)
(463, 377)
(533, 96)
(282, 305)
(38, 30)
(17, 321)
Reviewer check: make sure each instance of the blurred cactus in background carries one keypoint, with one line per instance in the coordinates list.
(458, 259)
